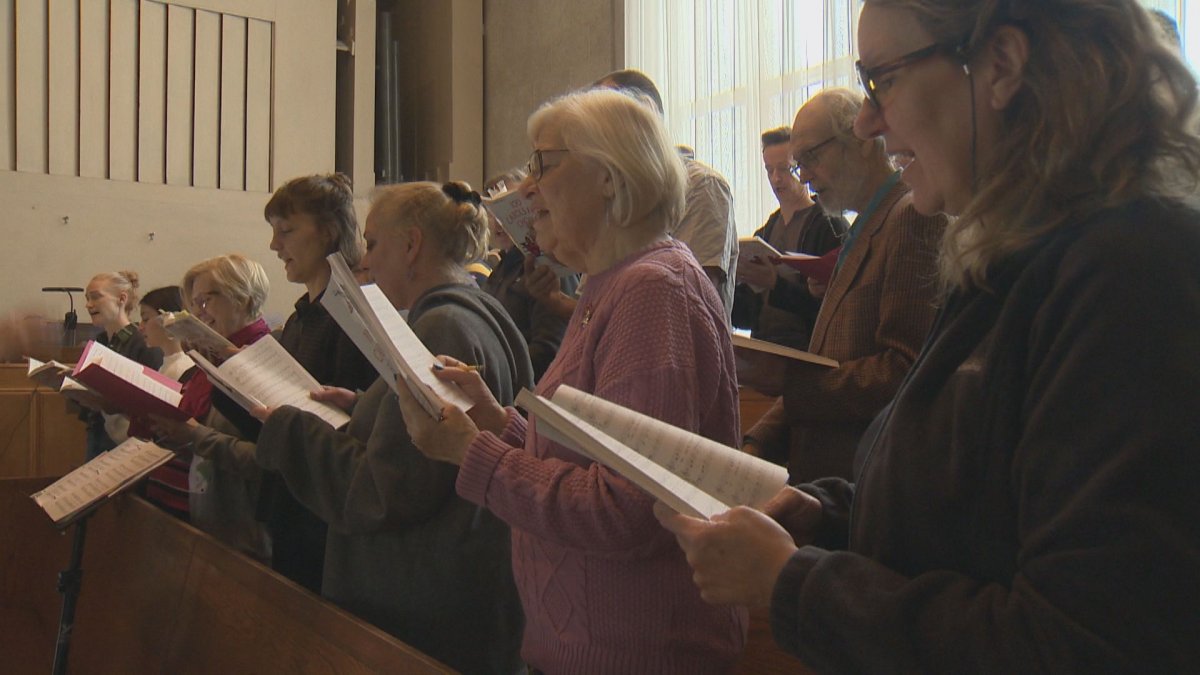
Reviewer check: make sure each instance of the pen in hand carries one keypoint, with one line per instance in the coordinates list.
(467, 368)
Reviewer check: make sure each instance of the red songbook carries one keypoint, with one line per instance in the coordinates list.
(127, 384)
(812, 266)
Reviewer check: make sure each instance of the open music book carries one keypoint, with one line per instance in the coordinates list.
(749, 343)
(68, 498)
(49, 374)
(818, 267)
(125, 383)
(516, 216)
(197, 334)
(385, 338)
(691, 474)
(265, 374)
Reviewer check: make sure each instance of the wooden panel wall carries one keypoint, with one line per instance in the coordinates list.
(243, 64)
(8, 83)
(148, 90)
(38, 435)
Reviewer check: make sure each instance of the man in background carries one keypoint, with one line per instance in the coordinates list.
(707, 225)
(878, 306)
(773, 303)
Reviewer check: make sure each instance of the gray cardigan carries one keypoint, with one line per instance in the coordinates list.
(403, 550)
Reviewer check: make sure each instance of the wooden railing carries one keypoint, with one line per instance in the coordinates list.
(159, 596)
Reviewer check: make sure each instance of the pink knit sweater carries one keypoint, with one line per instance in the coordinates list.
(604, 587)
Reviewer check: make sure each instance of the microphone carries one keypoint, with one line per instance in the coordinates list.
(71, 320)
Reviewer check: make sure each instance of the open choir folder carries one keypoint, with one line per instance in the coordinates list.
(817, 267)
(264, 374)
(386, 339)
(515, 214)
(73, 495)
(694, 475)
(125, 383)
(49, 374)
(745, 342)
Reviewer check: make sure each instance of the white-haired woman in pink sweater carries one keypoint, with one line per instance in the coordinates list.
(604, 587)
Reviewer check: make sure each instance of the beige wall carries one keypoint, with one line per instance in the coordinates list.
(532, 50)
(63, 222)
(535, 50)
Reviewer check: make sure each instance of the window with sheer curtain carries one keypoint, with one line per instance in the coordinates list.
(730, 69)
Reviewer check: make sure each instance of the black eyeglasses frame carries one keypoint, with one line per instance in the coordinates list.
(868, 77)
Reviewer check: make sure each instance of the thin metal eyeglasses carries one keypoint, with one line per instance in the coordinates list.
(869, 77)
(809, 158)
(537, 165)
(201, 301)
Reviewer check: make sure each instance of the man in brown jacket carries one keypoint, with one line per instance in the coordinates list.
(877, 308)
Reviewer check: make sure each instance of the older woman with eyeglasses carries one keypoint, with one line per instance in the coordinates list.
(605, 590)
(1027, 501)
(227, 294)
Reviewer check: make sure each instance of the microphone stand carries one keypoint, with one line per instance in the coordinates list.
(71, 319)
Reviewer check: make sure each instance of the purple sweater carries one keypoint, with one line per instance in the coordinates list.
(604, 587)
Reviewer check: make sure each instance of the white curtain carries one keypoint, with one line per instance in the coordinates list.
(730, 69)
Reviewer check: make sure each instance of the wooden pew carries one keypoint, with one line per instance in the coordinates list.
(159, 596)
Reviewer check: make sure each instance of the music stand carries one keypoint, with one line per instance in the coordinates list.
(112, 473)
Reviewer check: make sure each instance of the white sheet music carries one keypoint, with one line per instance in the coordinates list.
(565, 428)
(415, 359)
(727, 474)
(100, 478)
(266, 373)
(183, 326)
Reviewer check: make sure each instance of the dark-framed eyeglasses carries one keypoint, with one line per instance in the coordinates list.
(810, 158)
(538, 161)
(870, 78)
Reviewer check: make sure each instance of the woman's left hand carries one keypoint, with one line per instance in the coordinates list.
(735, 557)
(444, 438)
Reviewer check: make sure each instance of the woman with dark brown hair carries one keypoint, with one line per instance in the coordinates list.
(310, 217)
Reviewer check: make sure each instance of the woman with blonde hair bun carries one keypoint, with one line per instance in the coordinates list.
(1027, 502)
(110, 299)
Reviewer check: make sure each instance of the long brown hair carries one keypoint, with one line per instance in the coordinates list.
(1106, 114)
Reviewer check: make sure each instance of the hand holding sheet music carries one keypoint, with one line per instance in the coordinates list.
(382, 334)
(264, 374)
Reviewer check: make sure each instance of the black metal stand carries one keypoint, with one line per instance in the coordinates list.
(69, 581)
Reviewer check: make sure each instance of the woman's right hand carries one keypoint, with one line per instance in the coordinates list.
(485, 412)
